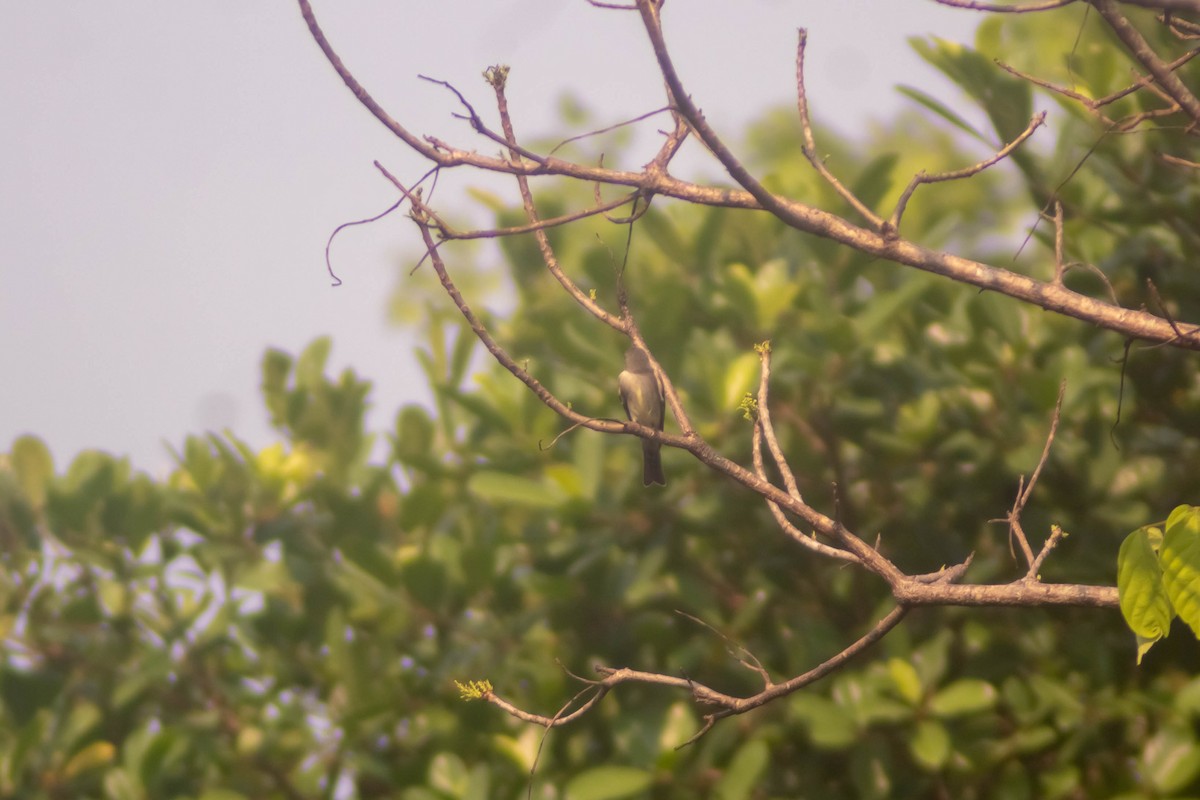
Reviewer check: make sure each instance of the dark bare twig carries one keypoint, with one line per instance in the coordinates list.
(445, 231)
(329, 242)
(581, 136)
(1163, 306)
(746, 659)
(477, 123)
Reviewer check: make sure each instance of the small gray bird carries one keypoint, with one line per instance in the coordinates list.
(642, 396)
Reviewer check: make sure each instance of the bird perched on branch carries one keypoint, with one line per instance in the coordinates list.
(642, 396)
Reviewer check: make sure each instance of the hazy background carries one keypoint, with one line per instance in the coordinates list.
(169, 175)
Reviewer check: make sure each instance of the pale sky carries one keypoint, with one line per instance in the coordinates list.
(170, 172)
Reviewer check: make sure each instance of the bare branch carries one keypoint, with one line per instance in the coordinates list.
(1167, 5)
(582, 136)
(809, 146)
(1184, 29)
(764, 429)
(498, 77)
(1059, 267)
(1141, 50)
(445, 231)
(893, 223)
(1023, 497)
(1057, 534)
(764, 415)
(1094, 105)
(1180, 162)
(1001, 8)
(1130, 323)
(729, 704)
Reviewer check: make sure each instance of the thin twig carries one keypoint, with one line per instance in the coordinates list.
(1025, 491)
(893, 223)
(729, 705)
(809, 146)
(1059, 267)
(498, 80)
(1002, 8)
(638, 118)
(794, 533)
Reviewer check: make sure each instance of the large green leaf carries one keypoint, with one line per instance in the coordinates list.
(608, 783)
(1144, 602)
(1180, 558)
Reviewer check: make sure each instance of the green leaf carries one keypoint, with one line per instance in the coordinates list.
(1171, 760)
(310, 367)
(276, 365)
(1142, 591)
(744, 772)
(1181, 564)
(906, 680)
(222, 794)
(608, 783)
(872, 771)
(930, 745)
(966, 696)
(414, 435)
(942, 110)
(875, 179)
(500, 487)
(1007, 101)
(887, 306)
(93, 756)
(740, 377)
(34, 465)
(448, 774)
(829, 726)
(679, 725)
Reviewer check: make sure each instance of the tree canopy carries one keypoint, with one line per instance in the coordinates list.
(312, 620)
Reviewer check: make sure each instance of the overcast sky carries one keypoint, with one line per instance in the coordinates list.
(170, 172)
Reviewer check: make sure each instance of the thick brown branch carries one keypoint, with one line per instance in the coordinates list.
(1019, 593)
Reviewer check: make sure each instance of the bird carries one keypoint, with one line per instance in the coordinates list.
(642, 396)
